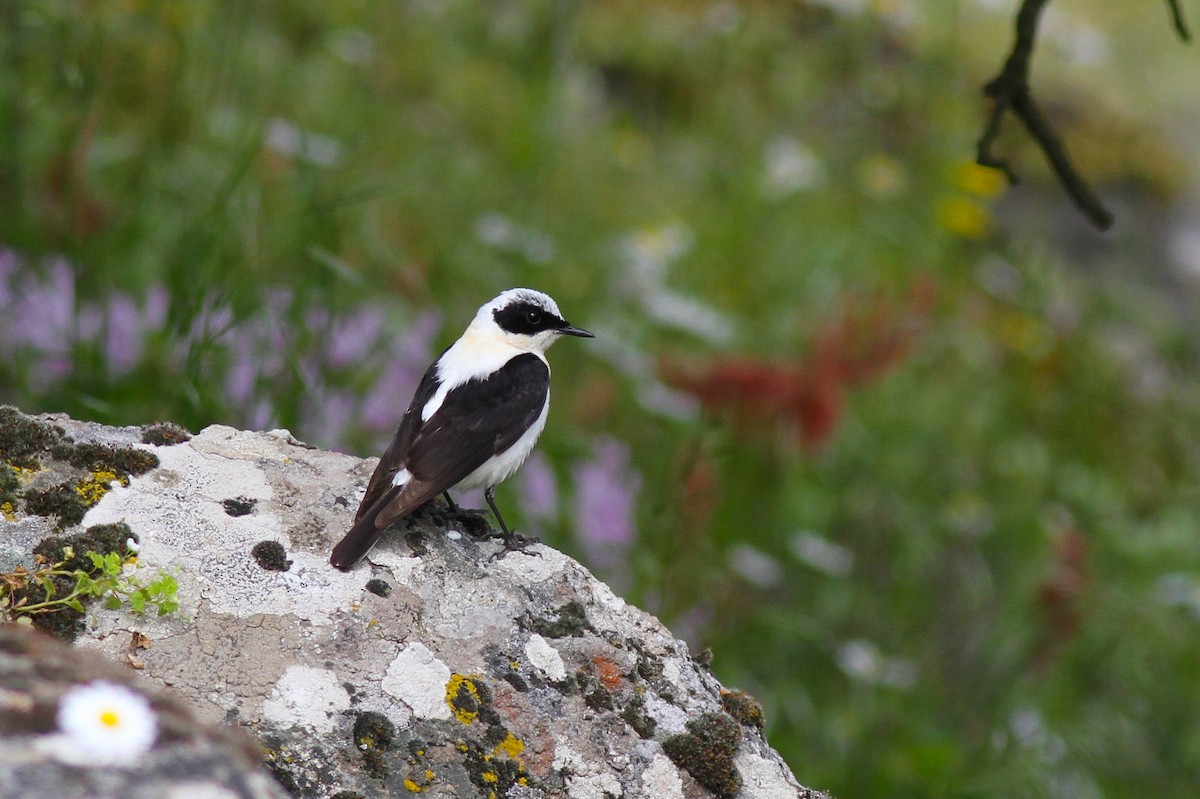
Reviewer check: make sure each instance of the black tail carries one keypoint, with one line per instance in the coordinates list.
(362, 535)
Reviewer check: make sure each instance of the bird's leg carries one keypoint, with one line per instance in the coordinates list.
(513, 542)
(490, 495)
(453, 505)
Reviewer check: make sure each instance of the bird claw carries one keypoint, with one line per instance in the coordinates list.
(515, 542)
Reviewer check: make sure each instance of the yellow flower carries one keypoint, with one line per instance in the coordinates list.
(964, 217)
(982, 181)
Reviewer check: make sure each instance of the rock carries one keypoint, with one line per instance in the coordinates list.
(187, 760)
(433, 667)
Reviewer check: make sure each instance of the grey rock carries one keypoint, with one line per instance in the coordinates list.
(455, 674)
(188, 760)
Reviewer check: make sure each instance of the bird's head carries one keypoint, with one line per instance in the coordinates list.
(525, 319)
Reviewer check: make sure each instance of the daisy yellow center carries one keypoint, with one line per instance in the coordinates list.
(110, 718)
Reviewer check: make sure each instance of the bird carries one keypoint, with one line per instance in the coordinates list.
(472, 422)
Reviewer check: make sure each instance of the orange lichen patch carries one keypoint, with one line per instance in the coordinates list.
(607, 672)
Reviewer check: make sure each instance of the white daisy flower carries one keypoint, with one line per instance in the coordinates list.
(104, 724)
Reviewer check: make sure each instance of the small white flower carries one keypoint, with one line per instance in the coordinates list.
(790, 166)
(131, 545)
(104, 724)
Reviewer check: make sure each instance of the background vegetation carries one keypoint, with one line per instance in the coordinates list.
(914, 455)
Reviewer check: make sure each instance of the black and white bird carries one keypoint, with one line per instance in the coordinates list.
(473, 421)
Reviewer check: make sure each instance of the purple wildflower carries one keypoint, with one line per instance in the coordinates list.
(326, 417)
(262, 416)
(353, 338)
(538, 489)
(389, 398)
(213, 323)
(605, 490)
(157, 303)
(45, 312)
(241, 380)
(124, 334)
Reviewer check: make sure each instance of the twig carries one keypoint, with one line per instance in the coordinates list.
(1177, 18)
(1009, 91)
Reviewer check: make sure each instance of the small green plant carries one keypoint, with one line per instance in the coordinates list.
(52, 587)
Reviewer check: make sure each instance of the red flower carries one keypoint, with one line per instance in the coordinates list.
(863, 339)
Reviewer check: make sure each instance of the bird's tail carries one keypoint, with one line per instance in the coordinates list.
(394, 505)
(362, 535)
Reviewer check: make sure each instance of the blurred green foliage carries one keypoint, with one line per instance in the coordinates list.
(980, 577)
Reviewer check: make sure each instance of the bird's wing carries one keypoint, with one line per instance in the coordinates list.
(477, 420)
(394, 456)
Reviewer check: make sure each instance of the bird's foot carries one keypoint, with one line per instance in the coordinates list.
(515, 542)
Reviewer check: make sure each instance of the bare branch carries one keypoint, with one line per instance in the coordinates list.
(1009, 91)
(1177, 18)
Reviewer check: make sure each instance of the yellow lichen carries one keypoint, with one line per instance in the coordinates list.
(416, 787)
(24, 474)
(511, 746)
(92, 489)
(455, 699)
(490, 776)
(8, 511)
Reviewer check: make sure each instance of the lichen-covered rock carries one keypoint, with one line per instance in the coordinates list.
(184, 759)
(432, 668)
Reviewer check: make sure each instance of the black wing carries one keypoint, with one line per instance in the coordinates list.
(394, 456)
(479, 419)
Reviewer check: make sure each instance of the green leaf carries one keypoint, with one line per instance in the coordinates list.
(75, 604)
(164, 586)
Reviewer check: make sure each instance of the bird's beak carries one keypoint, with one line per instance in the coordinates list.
(571, 330)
